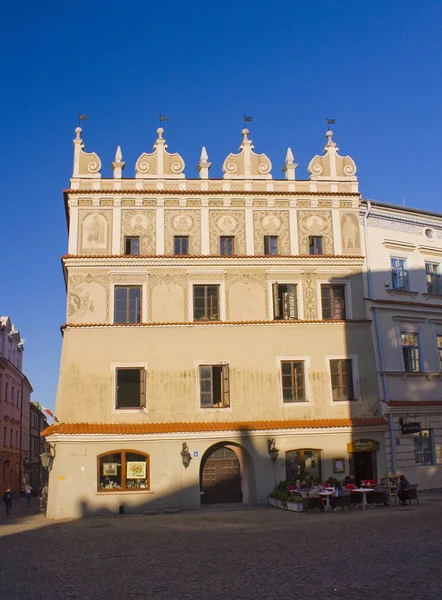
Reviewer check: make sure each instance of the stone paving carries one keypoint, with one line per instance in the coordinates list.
(261, 553)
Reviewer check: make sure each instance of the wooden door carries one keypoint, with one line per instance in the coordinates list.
(221, 477)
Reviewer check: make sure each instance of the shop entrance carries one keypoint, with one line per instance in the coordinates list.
(363, 459)
(220, 476)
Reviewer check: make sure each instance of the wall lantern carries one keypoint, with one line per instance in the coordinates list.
(272, 450)
(185, 455)
(47, 457)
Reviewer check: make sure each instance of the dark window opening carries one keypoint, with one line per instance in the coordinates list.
(180, 245)
(270, 245)
(127, 304)
(214, 386)
(226, 246)
(132, 246)
(130, 388)
(315, 244)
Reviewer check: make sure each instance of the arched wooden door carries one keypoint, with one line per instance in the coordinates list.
(220, 476)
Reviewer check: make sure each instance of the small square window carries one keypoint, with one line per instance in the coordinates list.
(132, 246)
(130, 392)
(181, 245)
(226, 246)
(270, 245)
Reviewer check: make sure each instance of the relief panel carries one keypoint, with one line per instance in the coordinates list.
(246, 297)
(168, 297)
(350, 234)
(186, 223)
(315, 222)
(230, 223)
(141, 223)
(95, 231)
(271, 222)
(88, 298)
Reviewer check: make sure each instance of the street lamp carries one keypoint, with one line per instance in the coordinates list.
(272, 449)
(185, 455)
(47, 457)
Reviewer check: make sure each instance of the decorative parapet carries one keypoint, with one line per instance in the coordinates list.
(332, 166)
(87, 165)
(247, 164)
(159, 164)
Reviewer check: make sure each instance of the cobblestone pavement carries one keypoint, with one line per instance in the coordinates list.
(227, 554)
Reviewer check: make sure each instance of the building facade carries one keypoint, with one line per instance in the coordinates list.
(404, 291)
(210, 321)
(38, 422)
(15, 393)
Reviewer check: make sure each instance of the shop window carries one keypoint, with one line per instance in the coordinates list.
(130, 392)
(206, 302)
(123, 471)
(270, 245)
(423, 447)
(410, 352)
(132, 245)
(214, 386)
(127, 304)
(399, 273)
(293, 383)
(333, 302)
(342, 379)
(284, 301)
(315, 244)
(302, 464)
(226, 246)
(181, 244)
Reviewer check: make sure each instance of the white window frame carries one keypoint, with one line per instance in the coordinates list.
(308, 391)
(130, 365)
(143, 311)
(357, 399)
(404, 325)
(201, 363)
(347, 295)
(406, 269)
(285, 279)
(216, 280)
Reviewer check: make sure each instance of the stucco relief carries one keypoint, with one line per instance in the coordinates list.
(266, 222)
(350, 236)
(141, 224)
(309, 288)
(86, 302)
(94, 231)
(247, 281)
(160, 290)
(228, 223)
(316, 223)
(404, 226)
(182, 222)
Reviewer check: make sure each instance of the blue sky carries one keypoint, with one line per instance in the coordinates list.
(373, 66)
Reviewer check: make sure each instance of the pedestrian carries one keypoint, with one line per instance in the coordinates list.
(28, 492)
(402, 491)
(7, 499)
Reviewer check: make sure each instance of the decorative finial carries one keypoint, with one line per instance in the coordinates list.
(118, 154)
(78, 131)
(204, 156)
(204, 164)
(118, 164)
(160, 132)
(289, 166)
(289, 158)
(245, 132)
(330, 143)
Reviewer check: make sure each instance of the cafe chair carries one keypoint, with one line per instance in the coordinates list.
(342, 501)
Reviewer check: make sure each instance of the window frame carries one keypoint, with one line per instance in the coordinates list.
(276, 310)
(421, 451)
(181, 238)
(131, 239)
(438, 336)
(405, 331)
(292, 362)
(205, 318)
(141, 310)
(270, 238)
(124, 490)
(302, 452)
(212, 363)
(357, 398)
(126, 410)
(405, 276)
(331, 285)
(433, 278)
(311, 244)
(227, 239)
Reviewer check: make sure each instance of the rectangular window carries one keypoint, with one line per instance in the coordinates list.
(181, 244)
(315, 244)
(5, 436)
(11, 438)
(433, 278)
(439, 349)
(333, 301)
(18, 398)
(410, 351)
(6, 392)
(293, 384)
(214, 386)
(399, 273)
(131, 384)
(226, 245)
(12, 395)
(342, 379)
(270, 245)
(16, 439)
(132, 246)
(423, 447)
(127, 304)
(284, 301)
(206, 302)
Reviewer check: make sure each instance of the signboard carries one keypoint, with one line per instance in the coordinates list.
(363, 446)
(410, 428)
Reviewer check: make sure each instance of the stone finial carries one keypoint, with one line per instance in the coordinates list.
(86, 164)
(289, 167)
(159, 163)
(332, 166)
(204, 164)
(247, 164)
(118, 164)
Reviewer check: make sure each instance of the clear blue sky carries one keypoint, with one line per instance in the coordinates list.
(373, 66)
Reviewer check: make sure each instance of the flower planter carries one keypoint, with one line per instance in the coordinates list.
(295, 506)
(273, 502)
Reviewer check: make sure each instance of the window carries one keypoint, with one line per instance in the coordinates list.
(6, 392)
(205, 302)
(181, 244)
(16, 439)
(333, 301)
(433, 278)
(315, 244)
(127, 304)
(410, 351)
(5, 436)
(293, 384)
(132, 245)
(123, 470)
(399, 273)
(439, 349)
(284, 301)
(12, 394)
(11, 438)
(423, 447)
(270, 245)
(214, 386)
(226, 245)
(18, 398)
(303, 463)
(342, 379)
(130, 388)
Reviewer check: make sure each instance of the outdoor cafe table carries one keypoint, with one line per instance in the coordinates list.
(364, 492)
(328, 506)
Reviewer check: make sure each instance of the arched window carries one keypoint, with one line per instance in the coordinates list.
(302, 463)
(123, 471)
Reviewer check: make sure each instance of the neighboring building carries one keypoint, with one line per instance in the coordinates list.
(15, 393)
(209, 320)
(38, 422)
(404, 265)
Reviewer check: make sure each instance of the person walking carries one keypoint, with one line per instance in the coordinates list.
(28, 492)
(7, 499)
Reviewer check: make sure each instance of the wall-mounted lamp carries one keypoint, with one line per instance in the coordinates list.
(272, 449)
(47, 457)
(185, 455)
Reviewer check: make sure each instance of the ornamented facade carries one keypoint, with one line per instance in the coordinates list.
(209, 321)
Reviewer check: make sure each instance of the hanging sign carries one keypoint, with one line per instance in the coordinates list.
(363, 446)
(410, 428)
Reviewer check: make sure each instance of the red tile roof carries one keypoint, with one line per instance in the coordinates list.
(150, 428)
